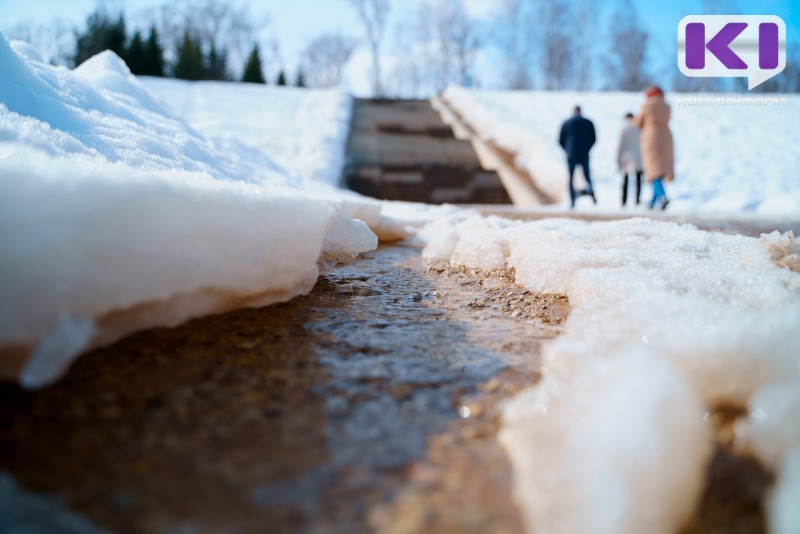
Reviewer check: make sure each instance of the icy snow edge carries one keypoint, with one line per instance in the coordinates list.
(116, 216)
(667, 322)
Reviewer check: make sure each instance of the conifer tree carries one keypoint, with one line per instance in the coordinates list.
(253, 70)
(190, 63)
(217, 64)
(153, 59)
(134, 57)
(300, 81)
(281, 79)
(101, 34)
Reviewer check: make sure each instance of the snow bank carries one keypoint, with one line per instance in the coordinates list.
(728, 158)
(116, 216)
(667, 322)
(303, 130)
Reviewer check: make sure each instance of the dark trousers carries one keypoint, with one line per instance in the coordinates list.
(584, 163)
(638, 187)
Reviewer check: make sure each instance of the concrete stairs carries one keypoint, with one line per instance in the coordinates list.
(403, 150)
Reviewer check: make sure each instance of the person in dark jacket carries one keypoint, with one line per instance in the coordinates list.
(577, 138)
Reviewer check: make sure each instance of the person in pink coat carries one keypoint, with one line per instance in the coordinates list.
(657, 146)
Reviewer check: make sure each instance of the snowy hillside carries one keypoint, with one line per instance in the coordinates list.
(116, 216)
(303, 130)
(728, 158)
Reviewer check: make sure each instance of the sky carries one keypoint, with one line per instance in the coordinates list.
(296, 22)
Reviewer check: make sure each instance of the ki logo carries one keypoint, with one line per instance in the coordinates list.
(744, 46)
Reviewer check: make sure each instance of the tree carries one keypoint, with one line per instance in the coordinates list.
(374, 15)
(153, 58)
(466, 41)
(625, 62)
(228, 26)
(300, 80)
(557, 54)
(102, 33)
(516, 33)
(449, 39)
(190, 64)
(216, 65)
(253, 70)
(281, 81)
(54, 40)
(135, 54)
(325, 57)
(585, 41)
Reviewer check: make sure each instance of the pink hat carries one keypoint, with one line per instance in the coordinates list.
(654, 90)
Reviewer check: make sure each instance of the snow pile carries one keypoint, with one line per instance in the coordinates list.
(303, 130)
(728, 158)
(668, 322)
(116, 216)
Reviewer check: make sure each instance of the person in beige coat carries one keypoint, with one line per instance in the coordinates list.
(657, 147)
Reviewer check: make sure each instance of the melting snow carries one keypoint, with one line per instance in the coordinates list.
(116, 216)
(668, 321)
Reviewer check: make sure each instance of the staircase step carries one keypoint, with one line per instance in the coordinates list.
(402, 150)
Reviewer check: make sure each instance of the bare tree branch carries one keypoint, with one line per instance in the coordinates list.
(626, 62)
(557, 53)
(449, 40)
(325, 58)
(374, 15)
(53, 40)
(517, 31)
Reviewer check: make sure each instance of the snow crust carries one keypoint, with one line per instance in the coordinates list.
(737, 158)
(115, 215)
(667, 322)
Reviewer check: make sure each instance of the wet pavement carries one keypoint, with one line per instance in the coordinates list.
(325, 414)
(371, 404)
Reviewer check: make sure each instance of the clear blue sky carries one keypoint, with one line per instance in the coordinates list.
(296, 22)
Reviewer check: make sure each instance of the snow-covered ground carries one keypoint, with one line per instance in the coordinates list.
(729, 159)
(126, 204)
(303, 130)
(115, 215)
(667, 322)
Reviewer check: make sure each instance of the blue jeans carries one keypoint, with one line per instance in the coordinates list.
(572, 163)
(658, 191)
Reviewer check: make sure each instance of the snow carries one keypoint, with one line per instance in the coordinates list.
(128, 203)
(729, 159)
(303, 130)
(667, 322)
(116, 216)
(784, 514)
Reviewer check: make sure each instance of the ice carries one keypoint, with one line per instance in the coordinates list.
(667, 322)
(728, 157)
(115, 215)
